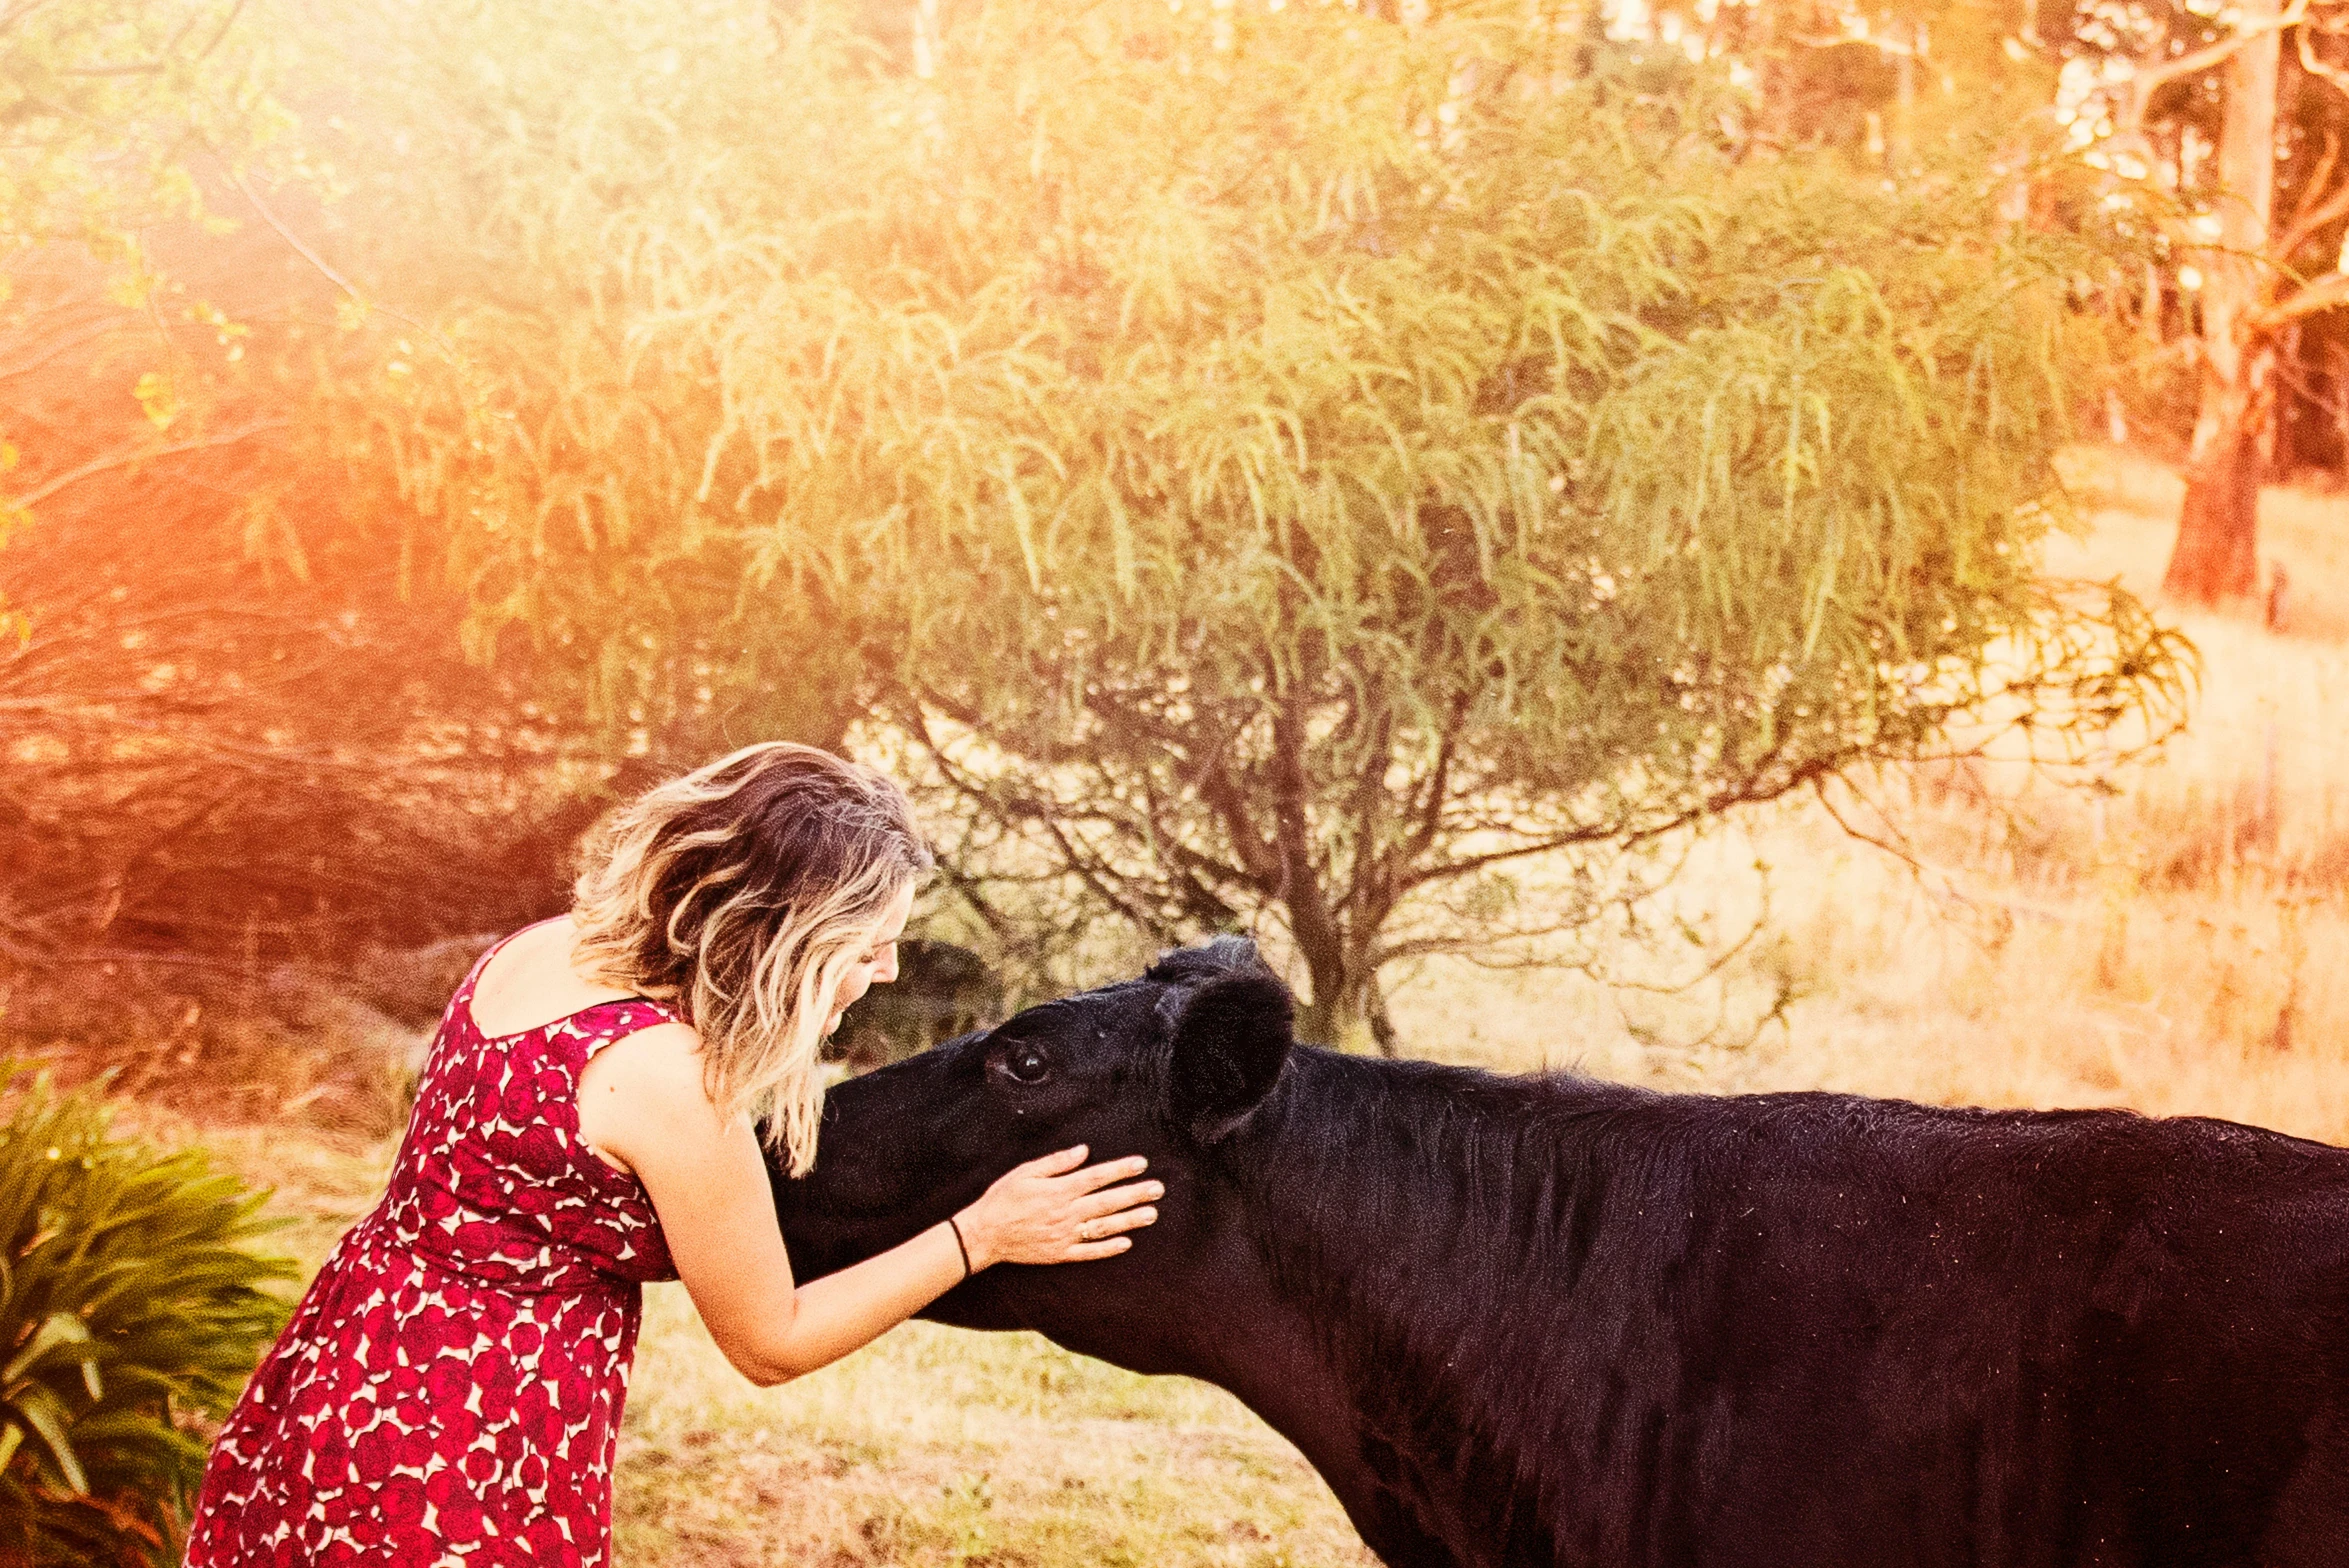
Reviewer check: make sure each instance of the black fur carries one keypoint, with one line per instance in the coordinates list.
(1546, 1321)
(1231, 1040)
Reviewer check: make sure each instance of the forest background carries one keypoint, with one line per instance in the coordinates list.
(1724, 545)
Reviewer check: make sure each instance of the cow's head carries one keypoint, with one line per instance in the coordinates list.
(1174, 1066)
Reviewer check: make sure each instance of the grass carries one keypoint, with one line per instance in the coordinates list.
(2178, 942)
(934, 1448)
(941, 1447)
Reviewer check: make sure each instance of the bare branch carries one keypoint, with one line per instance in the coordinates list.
(2323, 294)
(1721, 961)
(57, 346)
(2317, 68)
(1756, 787)
(218, 33)
(1043, 816)
(1431, 807)
(1897, 849)
(125, 457)
(2312, 188)
(2150, 79)
(319, 264)
(1223, 794)
(2313, 212)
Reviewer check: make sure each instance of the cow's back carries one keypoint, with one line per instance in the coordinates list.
(1958, 1337)
(1817, 1329)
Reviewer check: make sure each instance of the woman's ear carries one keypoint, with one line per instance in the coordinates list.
(1230, 1040)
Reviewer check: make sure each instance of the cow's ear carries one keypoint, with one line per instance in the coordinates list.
(1230, 1040)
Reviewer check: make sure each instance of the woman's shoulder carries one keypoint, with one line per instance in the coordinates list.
(647, 1088)
(528, 982)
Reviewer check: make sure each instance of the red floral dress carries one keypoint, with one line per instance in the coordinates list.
(449, 1390)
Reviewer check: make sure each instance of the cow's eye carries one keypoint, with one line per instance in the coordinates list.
(1027, 1064)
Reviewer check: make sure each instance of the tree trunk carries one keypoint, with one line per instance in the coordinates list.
(1347, 1011)
(1900, 143)
(2217, 553)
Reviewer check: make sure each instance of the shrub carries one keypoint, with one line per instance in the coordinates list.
(131, 1311)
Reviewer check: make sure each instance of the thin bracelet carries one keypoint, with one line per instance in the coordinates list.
(959, 1247)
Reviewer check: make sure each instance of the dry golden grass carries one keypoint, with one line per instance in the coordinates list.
(2180, 945)
(937, 1447)
(931, 1449)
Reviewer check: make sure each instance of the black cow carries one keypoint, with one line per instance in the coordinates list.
(1547, 1321)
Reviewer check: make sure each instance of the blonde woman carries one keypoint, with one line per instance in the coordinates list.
(450, 1388)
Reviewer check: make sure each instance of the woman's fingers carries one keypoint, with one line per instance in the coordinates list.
(1094, 1205)
(1093, 1177)
(1058, 1163)
(1119, 1223)
(1057, 1209)
(1109, 1228)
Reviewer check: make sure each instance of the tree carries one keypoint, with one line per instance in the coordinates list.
(2216, 553)
(526, 189)
(1277, 467)
(236, 737)
(2272, 118)
(1880, 82)
(107, 103)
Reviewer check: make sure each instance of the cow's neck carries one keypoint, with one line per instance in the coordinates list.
(1285, 1372)
(1387, 1196)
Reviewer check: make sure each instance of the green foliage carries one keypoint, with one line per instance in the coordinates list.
(518, 187)
(109, 105)
(131, 1308)
(113, 114)
(1268, 465)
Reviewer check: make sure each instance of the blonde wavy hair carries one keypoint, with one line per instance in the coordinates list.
(740, 894)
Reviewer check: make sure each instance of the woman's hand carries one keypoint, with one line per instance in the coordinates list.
(1050, 1211)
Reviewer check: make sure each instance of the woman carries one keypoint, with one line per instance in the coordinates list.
(450, 1388)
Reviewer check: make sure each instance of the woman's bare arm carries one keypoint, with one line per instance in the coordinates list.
(642, 1106)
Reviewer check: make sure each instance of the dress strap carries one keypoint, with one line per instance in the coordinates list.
(601, 1023)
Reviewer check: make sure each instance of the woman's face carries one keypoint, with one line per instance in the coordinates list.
(877, 963)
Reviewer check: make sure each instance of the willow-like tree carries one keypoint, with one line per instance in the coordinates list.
(218, 760)
(1273, 467)
(106, 109)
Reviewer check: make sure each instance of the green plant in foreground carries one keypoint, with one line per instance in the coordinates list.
(131, 1308)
